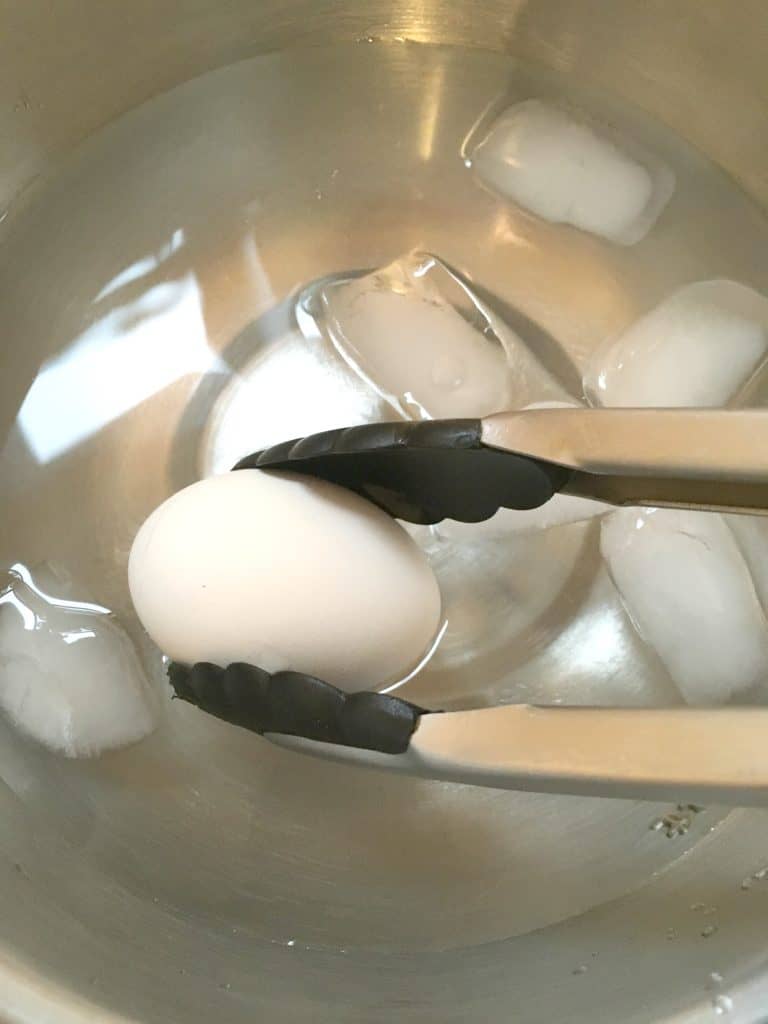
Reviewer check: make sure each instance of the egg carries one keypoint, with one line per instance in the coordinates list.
(284, 572)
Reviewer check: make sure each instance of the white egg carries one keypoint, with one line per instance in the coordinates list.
(284, 572)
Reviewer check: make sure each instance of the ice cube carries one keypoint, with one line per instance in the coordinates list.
(71, 678)
(560, 167)
(698, 347)
(419, 336)
(289, 390)
(687, 589)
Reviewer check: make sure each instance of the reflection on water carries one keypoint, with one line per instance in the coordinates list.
(142, 267)
(128, 355)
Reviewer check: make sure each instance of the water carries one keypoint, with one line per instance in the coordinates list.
(147, 288)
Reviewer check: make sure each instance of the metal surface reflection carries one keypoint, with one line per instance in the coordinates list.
(129, 355)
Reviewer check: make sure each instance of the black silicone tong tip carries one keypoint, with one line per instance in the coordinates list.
(420, 472)
(296, 704)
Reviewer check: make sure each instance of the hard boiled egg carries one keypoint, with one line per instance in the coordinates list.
(284, 572)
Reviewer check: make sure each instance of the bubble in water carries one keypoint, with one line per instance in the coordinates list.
(722, 1004)
(677, 822)
(756, 876)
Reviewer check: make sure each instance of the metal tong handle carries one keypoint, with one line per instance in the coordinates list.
(696, 755)
(714, 459)
(683, 754)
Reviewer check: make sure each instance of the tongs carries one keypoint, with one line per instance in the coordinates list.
(466, 470)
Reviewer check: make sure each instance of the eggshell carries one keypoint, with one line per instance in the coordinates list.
(284, 572)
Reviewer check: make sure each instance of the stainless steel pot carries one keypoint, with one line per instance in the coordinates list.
(77, 947)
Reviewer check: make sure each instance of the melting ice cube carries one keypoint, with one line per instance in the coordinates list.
(687, 589)
(562, 168)
(698, 347)
(420, 337)
(289, 390)
(428, 345)
(71, 678)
